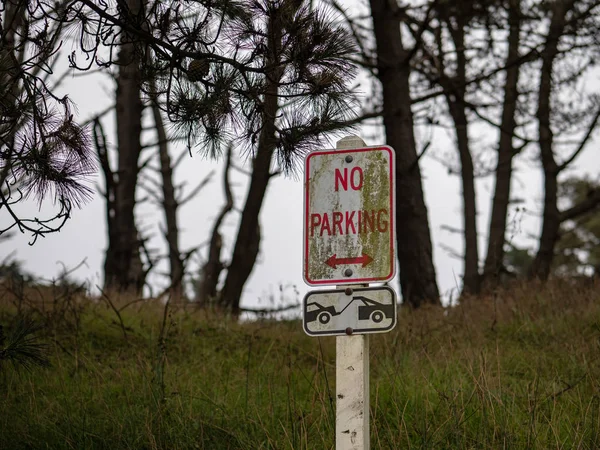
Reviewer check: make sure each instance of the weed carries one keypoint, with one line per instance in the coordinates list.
(522, 371)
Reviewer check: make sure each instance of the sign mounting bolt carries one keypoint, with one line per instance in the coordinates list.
(348, 272)
(349, 331)
(349, 159)
(348, 291)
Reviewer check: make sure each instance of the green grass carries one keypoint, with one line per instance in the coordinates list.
(520, 370)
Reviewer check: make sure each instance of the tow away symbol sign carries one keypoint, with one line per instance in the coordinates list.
(357, 311)
(349, 216)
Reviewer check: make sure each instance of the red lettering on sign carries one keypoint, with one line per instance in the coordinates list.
(355, 184)
(341, 179)
(368, 221)
(338, 217)
(350, 221)
(382, 225)
(315, 221)
(358, 185)
(325, 225)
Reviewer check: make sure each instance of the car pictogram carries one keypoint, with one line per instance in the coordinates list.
(316, 311)
(375, 311)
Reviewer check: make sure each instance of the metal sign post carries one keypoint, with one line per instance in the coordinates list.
(352, 416)
(352, 392)
(349, 240)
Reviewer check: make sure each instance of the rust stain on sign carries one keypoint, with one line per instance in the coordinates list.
(349, 223)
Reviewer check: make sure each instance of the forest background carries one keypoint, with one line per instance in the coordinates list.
(493, 109)
(458, 166)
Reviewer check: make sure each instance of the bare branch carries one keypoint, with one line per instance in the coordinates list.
(197, 189)
(582, 144)
(207, 287)
(591, 202)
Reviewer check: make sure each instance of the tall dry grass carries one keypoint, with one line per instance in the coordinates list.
(516, 369)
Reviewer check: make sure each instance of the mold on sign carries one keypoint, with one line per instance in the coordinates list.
(349, 221)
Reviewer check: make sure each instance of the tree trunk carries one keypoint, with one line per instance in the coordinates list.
(248, 238)
(455, 97)
(417, 273)
(471, 253)
(206, 291)
(176, 268)
(540, 267)
(10, 50)
(123, 270)
(247, 242)
(494, 261)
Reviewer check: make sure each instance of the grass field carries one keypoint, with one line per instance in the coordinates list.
(518, 370)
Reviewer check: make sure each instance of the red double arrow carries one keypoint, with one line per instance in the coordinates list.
(334, 261)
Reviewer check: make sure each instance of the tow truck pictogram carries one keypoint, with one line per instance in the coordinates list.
(369, 310)
(357, 310)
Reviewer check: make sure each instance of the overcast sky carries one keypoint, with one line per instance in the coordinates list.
(280, 259)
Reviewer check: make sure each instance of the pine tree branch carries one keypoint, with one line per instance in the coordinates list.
(591, 202)
(582, 144)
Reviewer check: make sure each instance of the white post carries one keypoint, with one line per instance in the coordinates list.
(352, 373)
(352, 393)
(350, 142)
